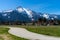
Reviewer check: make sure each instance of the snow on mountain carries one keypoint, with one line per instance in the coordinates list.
(46, 16)
(52, 18)
(55, 17)
(29, 13)
(8, 10)
(4, 15)
(20, 9)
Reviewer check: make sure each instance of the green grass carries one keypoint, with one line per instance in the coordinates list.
(4, 31)
(45, 30)
(1, 38)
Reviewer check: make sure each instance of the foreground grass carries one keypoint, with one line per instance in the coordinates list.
(46, 30)
(4, 35)
(1, 38)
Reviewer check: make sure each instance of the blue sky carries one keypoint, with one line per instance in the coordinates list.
(44, 6)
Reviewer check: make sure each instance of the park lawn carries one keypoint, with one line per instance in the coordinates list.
(4, 35)
(45, 30)
(1, 38)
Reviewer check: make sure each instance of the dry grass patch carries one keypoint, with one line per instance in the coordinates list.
(5, 37)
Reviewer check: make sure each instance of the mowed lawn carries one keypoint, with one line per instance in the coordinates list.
(4, 35)
(46, 30)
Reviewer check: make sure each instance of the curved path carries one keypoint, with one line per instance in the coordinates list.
(21, 32)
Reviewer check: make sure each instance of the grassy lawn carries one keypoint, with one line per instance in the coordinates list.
(1, 38)
(4, 35)
(46, 30)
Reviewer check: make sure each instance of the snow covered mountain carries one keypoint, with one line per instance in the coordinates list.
(26, 15)
(28, 12)
(31, 14)
(20, 13)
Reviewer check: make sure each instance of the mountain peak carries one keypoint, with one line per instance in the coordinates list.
(20, 9)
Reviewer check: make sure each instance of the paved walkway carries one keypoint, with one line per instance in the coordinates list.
(21, 32)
